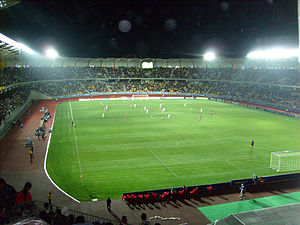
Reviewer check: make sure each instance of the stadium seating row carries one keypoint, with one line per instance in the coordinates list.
(270, 76)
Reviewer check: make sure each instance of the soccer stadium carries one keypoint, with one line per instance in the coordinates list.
(148, 140)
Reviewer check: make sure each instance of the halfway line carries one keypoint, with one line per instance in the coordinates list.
(162, 162)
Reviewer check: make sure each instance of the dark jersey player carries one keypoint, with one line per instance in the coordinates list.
(252, 143)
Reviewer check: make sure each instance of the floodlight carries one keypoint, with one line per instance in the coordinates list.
(209, 56)
(15, 44)
(51, 53)
(275, 53)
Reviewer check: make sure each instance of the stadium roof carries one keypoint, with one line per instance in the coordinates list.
(9, 47)
(8, 3)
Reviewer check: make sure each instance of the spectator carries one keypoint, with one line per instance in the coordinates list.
(80, 220)
(124, 220)
(144, 220)
(59, 218)
(71, 219)
(46, 214)
(7, 197)
(24, 195)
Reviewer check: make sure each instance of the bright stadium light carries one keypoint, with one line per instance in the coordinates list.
(275, 53)
(209, 56)
(15, 44)
(51, 53)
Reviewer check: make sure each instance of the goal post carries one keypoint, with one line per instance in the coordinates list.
(285, 161)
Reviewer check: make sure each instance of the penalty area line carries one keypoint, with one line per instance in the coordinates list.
(45, 168)
(162, 162)
(233, 165)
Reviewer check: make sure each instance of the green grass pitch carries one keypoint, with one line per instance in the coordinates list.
(117, 155)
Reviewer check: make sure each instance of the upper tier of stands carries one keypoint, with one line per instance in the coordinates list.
(270, 76)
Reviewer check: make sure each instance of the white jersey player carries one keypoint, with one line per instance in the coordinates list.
(185, 104)
(134, 106)
(147, 110)
(201, 110)
(164, 109)
(102, 115)
(169, 116)
(160, 105)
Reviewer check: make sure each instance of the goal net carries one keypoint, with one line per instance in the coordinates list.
(140, 96)
(285, 161)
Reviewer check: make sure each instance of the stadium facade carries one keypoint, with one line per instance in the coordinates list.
(238, 63)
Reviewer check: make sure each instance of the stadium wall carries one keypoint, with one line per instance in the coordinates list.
(253, 185)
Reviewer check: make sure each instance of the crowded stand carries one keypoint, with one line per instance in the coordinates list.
(20, 208)
(10, 100)
(260, 85)
(270, 76)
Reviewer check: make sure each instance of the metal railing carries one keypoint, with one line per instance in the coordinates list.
(66, 212)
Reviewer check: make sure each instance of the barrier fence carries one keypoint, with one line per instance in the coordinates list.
(66, 212)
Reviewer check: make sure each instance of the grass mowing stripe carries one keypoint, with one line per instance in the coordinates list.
(80, 168)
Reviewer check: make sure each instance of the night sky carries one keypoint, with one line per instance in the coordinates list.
(158, 29)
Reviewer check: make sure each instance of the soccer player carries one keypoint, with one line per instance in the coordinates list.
(164, 109)
(130, 105)
(162, 118)
(252, 143)
(200, 118)
(102, 115)
(185, 104)
(147, 111)
(160, 105)
(106, 107)
(169, 116)
(125, 116)
(201, 110)
(134, 105)
(73, 124)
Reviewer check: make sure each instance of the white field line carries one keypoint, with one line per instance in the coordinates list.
(45, 163)
(233, 165)
(76, 145)
(162, 162)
